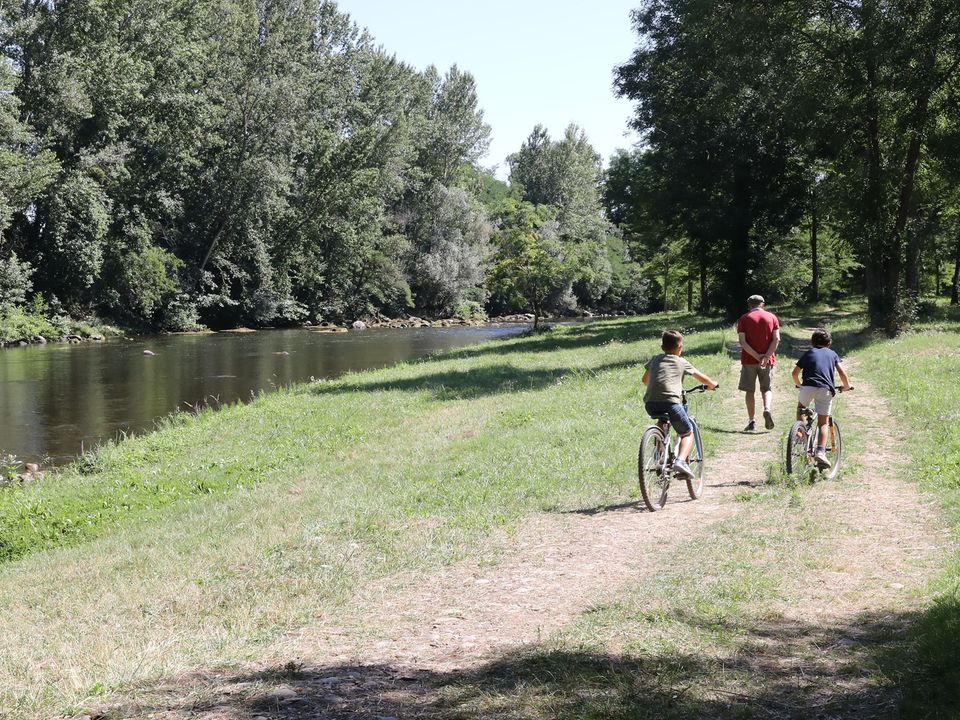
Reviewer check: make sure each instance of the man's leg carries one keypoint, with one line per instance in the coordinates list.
(766, 388)
(748, 385)
(686, 444)
(751, 398)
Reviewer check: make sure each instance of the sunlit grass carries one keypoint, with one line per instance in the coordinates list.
(199, 543)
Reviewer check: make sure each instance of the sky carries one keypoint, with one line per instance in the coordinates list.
(535, 61)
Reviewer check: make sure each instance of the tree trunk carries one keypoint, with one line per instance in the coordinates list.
(666, 280)
(740, 250)
(689, 293)
(939, 277)
(913, 263)
(704, 295)
(955, 291)
(814, 260)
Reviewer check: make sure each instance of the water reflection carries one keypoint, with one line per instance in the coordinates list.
(58, 400)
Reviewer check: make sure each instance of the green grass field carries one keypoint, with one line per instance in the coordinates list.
(199, 544)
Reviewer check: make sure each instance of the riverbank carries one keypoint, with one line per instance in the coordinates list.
(316, 551)
(21, 326)
(60, 402)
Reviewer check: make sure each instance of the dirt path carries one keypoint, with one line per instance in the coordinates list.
(406, 635)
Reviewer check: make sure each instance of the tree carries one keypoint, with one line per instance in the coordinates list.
(887, 71)
(26, 166)
(453, 134)
(717, 106)
(565, 175)
(531, 267)
(452, 237)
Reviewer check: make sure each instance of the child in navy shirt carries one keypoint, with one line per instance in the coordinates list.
(814, 376)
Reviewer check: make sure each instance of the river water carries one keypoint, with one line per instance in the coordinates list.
(58, 400)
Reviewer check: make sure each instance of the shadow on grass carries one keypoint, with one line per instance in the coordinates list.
(608, 508)
(875, 666)
(491, 378)
(728, 431)
(474, 382)
(595, 333)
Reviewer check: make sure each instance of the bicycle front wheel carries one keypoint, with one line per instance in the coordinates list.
(695, 461)
(651, 463)
(834, 449)
(797, 460)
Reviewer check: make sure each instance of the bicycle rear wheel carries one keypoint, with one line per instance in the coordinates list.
(833, 450)
(651, 461)
(695, 461)
(797, 460)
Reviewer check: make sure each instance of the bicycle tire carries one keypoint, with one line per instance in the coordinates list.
(834, 450)
(797, 460)
(695, 461)
(651, 459)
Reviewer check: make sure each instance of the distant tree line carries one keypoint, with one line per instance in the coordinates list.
(266, 162)
(797, 148)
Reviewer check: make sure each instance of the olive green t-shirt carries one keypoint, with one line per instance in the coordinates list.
(665, 383)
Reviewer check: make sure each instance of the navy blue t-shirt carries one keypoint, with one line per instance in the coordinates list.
(818, 364)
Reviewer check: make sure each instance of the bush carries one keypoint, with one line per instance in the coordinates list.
(470, 310)
(19, 322)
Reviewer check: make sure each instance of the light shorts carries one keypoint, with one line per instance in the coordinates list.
(822, 399)
(749, 374)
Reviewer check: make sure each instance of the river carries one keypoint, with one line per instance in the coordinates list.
(57, 401)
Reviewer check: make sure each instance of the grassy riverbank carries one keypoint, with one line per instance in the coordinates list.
(284, 505)
(20, 323)
(200, 545)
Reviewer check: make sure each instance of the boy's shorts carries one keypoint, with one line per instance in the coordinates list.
(675, 411)
(822, 399)
(749, 374)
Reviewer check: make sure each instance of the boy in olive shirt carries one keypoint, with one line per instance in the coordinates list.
(664, 380)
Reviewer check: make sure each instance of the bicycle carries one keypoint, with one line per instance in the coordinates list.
(802, 444)
(656, 456)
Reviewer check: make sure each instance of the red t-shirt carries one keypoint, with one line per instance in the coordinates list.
(758, 326)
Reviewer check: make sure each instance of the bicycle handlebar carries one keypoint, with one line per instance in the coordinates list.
(697, 389)
(839, 389)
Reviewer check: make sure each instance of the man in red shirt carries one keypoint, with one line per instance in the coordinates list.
(759, 333)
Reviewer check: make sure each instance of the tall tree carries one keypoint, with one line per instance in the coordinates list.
(565, 175)
(716, 104)
(888, 73)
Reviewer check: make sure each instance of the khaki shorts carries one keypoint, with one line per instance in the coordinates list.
(821, 398)
(749, 374)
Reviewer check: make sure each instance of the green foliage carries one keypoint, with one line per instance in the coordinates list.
(451, 242)
(26, 167)
(73, 237)
(629, 289)
(15, 281)
(470, 310)
(531, 266)
(143, 282)
(756, 117)
(9, 467)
